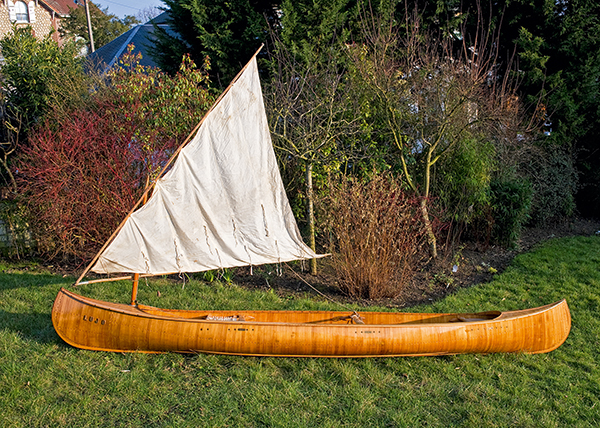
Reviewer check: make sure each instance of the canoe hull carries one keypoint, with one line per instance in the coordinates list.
(92, 324)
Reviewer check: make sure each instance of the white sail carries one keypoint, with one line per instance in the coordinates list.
(221, 205)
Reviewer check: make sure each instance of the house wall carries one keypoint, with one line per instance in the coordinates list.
(45, 20)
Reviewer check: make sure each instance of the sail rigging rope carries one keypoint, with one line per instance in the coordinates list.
(355, 315)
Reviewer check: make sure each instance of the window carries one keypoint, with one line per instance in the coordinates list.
(21, 12)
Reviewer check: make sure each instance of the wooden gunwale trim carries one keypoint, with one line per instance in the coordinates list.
(426, 354)
(136, 312)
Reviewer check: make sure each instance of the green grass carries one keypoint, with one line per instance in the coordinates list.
(44, 382)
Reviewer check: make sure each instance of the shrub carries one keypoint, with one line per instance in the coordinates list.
(37, 75)
(511, 203)
(554, 181)
(463, 180)
(86, 167)
(376, 235)
(33, 68)
(80, 182)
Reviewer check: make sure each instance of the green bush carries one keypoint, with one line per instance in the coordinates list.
(16, 239)
(554, 183)
(511, 204)
(33, 69)
(463, 180)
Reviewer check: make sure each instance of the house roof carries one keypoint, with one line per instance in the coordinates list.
(141, 36)
(60, 6)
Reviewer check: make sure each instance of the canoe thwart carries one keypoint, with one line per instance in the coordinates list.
(350, 319)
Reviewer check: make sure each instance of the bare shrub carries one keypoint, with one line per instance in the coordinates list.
(376, 236)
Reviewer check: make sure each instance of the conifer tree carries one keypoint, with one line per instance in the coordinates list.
(227, 32)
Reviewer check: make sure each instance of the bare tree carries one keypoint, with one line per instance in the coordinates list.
(432, 92)
(309, 115)
(148, 13)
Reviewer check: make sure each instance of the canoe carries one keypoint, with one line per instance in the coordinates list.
(219, 202)
(104, 326)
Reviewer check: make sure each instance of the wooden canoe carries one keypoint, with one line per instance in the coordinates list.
(92, 324)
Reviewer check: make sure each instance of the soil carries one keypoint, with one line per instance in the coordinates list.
(474, 265)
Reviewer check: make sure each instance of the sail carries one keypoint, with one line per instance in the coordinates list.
(222, 204)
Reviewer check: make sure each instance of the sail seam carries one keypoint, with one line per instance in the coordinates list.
(207, 243)
(146, 262)
(234, 232)
(177, 257)
(279, 268)
(265, 220)
(220, 262)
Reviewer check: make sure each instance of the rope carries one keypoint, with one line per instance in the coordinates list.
(355, 315)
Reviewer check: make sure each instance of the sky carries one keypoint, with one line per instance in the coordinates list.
(127, 7)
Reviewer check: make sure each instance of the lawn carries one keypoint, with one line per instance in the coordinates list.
(44, 382)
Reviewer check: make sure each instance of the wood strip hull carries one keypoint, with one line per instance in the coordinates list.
(92, 324)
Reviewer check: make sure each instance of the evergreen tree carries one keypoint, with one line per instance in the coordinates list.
(227, 32)
(559, 67)
(574, 73)
(312, 28)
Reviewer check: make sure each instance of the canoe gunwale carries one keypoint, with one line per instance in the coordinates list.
(136, 311)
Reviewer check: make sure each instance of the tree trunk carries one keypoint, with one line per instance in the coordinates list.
(310, 215)
(12, 182)
(428, 228)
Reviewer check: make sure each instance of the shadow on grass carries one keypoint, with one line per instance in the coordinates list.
(12, 280)
(30, 326)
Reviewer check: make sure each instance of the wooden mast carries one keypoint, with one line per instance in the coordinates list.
(134, 289)
(162, 172)
(136, 276)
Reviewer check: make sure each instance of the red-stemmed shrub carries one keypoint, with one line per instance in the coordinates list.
(85, 168)
(79, 182)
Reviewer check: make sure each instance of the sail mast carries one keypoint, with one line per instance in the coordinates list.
(136, 276)
(164, 169)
